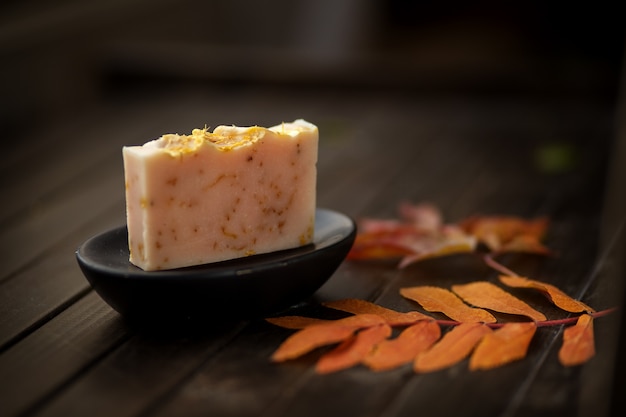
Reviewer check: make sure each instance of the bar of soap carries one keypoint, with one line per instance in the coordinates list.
(213, 196)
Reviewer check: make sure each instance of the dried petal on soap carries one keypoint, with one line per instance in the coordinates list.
(578, 342)
(295, 322)
(352, 351)
(504, 345)
(318, 335)
(392, 353)
(558, 297)
(487, 295)
(453, 347)
(392, 317)
(437, 299)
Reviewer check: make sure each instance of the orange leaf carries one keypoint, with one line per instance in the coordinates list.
(504, 345)
(487, 295)
(353, 350)
(376, 246)
(455, 346)
(392, 317)
(497, 231)
(437, 299)
(419, 235)
(558, 297)
(442, 245)
(403, 349)
(424, 216)
(318, 335)
(295, 322)
(525, 243)
(578, 342)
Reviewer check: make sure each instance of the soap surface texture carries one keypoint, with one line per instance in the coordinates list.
(214, 196)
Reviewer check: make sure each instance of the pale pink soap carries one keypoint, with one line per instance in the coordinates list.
(208, 197)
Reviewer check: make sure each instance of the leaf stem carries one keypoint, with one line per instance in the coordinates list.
(544, 323)
(488, 258)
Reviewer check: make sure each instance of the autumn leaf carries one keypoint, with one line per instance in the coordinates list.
(504, 345)
(487, 295)
(392, 317)
(392, 353)
(453, 347)
(418, 234)
(353, 350)
(449, 241)
(498, 231)
(578, 342)
(295, 322)
(318, 335)
(437, 299)
(378, 245)
(411, 244)
(558, 297)
(525, 243)
(423, 216)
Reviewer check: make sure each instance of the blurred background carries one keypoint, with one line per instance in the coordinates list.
(60, 57)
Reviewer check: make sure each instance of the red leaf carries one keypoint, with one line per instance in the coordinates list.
(449, 241)
(378, 245)
(419, 235)
(424, 216)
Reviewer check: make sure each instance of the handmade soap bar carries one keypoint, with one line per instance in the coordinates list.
(213, 196)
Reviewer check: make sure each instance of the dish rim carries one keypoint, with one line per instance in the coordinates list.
(342, 227)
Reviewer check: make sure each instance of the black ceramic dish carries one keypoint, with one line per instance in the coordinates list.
(242, 288)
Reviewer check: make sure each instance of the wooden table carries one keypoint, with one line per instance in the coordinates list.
(64, 352)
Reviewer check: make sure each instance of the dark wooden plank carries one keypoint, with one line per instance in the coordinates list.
(372, 166)
(359, 281)
(226, 371)
(133, 377)
(67, 211)
(238, 381)
(250, 351)
(80, 201)
(47, 285)
(67, 398)
(401, 398)
(57, 353)
(436, 394)
(57, 155)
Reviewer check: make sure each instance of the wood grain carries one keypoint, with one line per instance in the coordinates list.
(63, 352)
